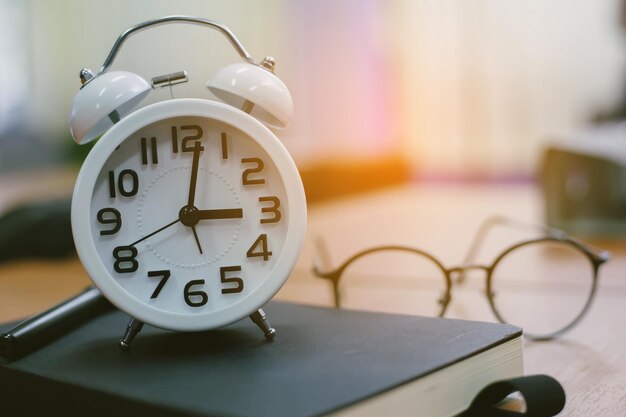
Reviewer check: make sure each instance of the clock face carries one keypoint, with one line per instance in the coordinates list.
(190, 218)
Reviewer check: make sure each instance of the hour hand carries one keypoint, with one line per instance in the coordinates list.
(218, 214)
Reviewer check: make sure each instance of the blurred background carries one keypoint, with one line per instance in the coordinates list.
(384, 91)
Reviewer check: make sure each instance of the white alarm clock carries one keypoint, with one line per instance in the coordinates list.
(188, 214)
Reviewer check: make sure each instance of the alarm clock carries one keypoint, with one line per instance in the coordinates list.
(188, 214)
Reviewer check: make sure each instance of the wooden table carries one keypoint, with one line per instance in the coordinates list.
(589, 361)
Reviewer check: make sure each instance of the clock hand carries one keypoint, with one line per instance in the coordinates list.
(194, 174)
(155, 232)
(192, 192)
(217, 214)
(195, 234)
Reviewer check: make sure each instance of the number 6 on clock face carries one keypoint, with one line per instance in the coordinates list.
(189, 214)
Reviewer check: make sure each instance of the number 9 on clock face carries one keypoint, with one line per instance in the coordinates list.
(189, 214)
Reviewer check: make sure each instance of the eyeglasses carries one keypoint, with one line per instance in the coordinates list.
(544, 285)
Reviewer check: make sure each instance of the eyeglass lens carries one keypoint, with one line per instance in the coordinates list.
(542, 287)
(395, 281)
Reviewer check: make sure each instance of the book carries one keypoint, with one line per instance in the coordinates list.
(323, 362)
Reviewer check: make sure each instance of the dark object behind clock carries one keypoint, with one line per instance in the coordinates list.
(584, 183)
(37, 230)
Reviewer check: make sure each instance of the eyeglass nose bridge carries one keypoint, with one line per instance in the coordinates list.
(468, 267)
(462, 269)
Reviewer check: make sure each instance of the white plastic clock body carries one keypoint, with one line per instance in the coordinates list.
(136, 180)
(188, 214)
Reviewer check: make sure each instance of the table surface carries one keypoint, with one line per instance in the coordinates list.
(442, 219)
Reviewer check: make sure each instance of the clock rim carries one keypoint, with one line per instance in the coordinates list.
(85, 185)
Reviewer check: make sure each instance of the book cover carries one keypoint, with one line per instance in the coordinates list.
(322, 361)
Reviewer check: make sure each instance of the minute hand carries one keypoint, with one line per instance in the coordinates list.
(194, 174)
(218, 214)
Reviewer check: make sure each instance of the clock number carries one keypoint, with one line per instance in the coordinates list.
(198, 293)
(231, 280)
(245, 180)
(112, 184)
(186, 146)
(116, 220)
(224, 146)
(263, 252)
(123, 185)
(165, 275)
(276, 216)
(125, 261)
(153, 151)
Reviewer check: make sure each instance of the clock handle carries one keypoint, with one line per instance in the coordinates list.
(86, 75)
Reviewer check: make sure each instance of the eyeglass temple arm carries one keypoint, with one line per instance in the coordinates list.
(175, 19)
(598, 253)
(322, 267)
(488, 224)
(321, 259)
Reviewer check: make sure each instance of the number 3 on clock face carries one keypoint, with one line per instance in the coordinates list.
(189, 214)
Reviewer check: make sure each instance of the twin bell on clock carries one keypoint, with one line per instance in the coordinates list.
(188, 214)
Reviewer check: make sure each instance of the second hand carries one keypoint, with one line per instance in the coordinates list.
(155, 232)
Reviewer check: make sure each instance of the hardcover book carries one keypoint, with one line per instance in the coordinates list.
(322, 362)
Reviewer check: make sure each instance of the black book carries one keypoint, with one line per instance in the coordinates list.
(322, 362)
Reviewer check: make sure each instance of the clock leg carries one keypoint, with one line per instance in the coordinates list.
(133, 328)
(260, 319)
